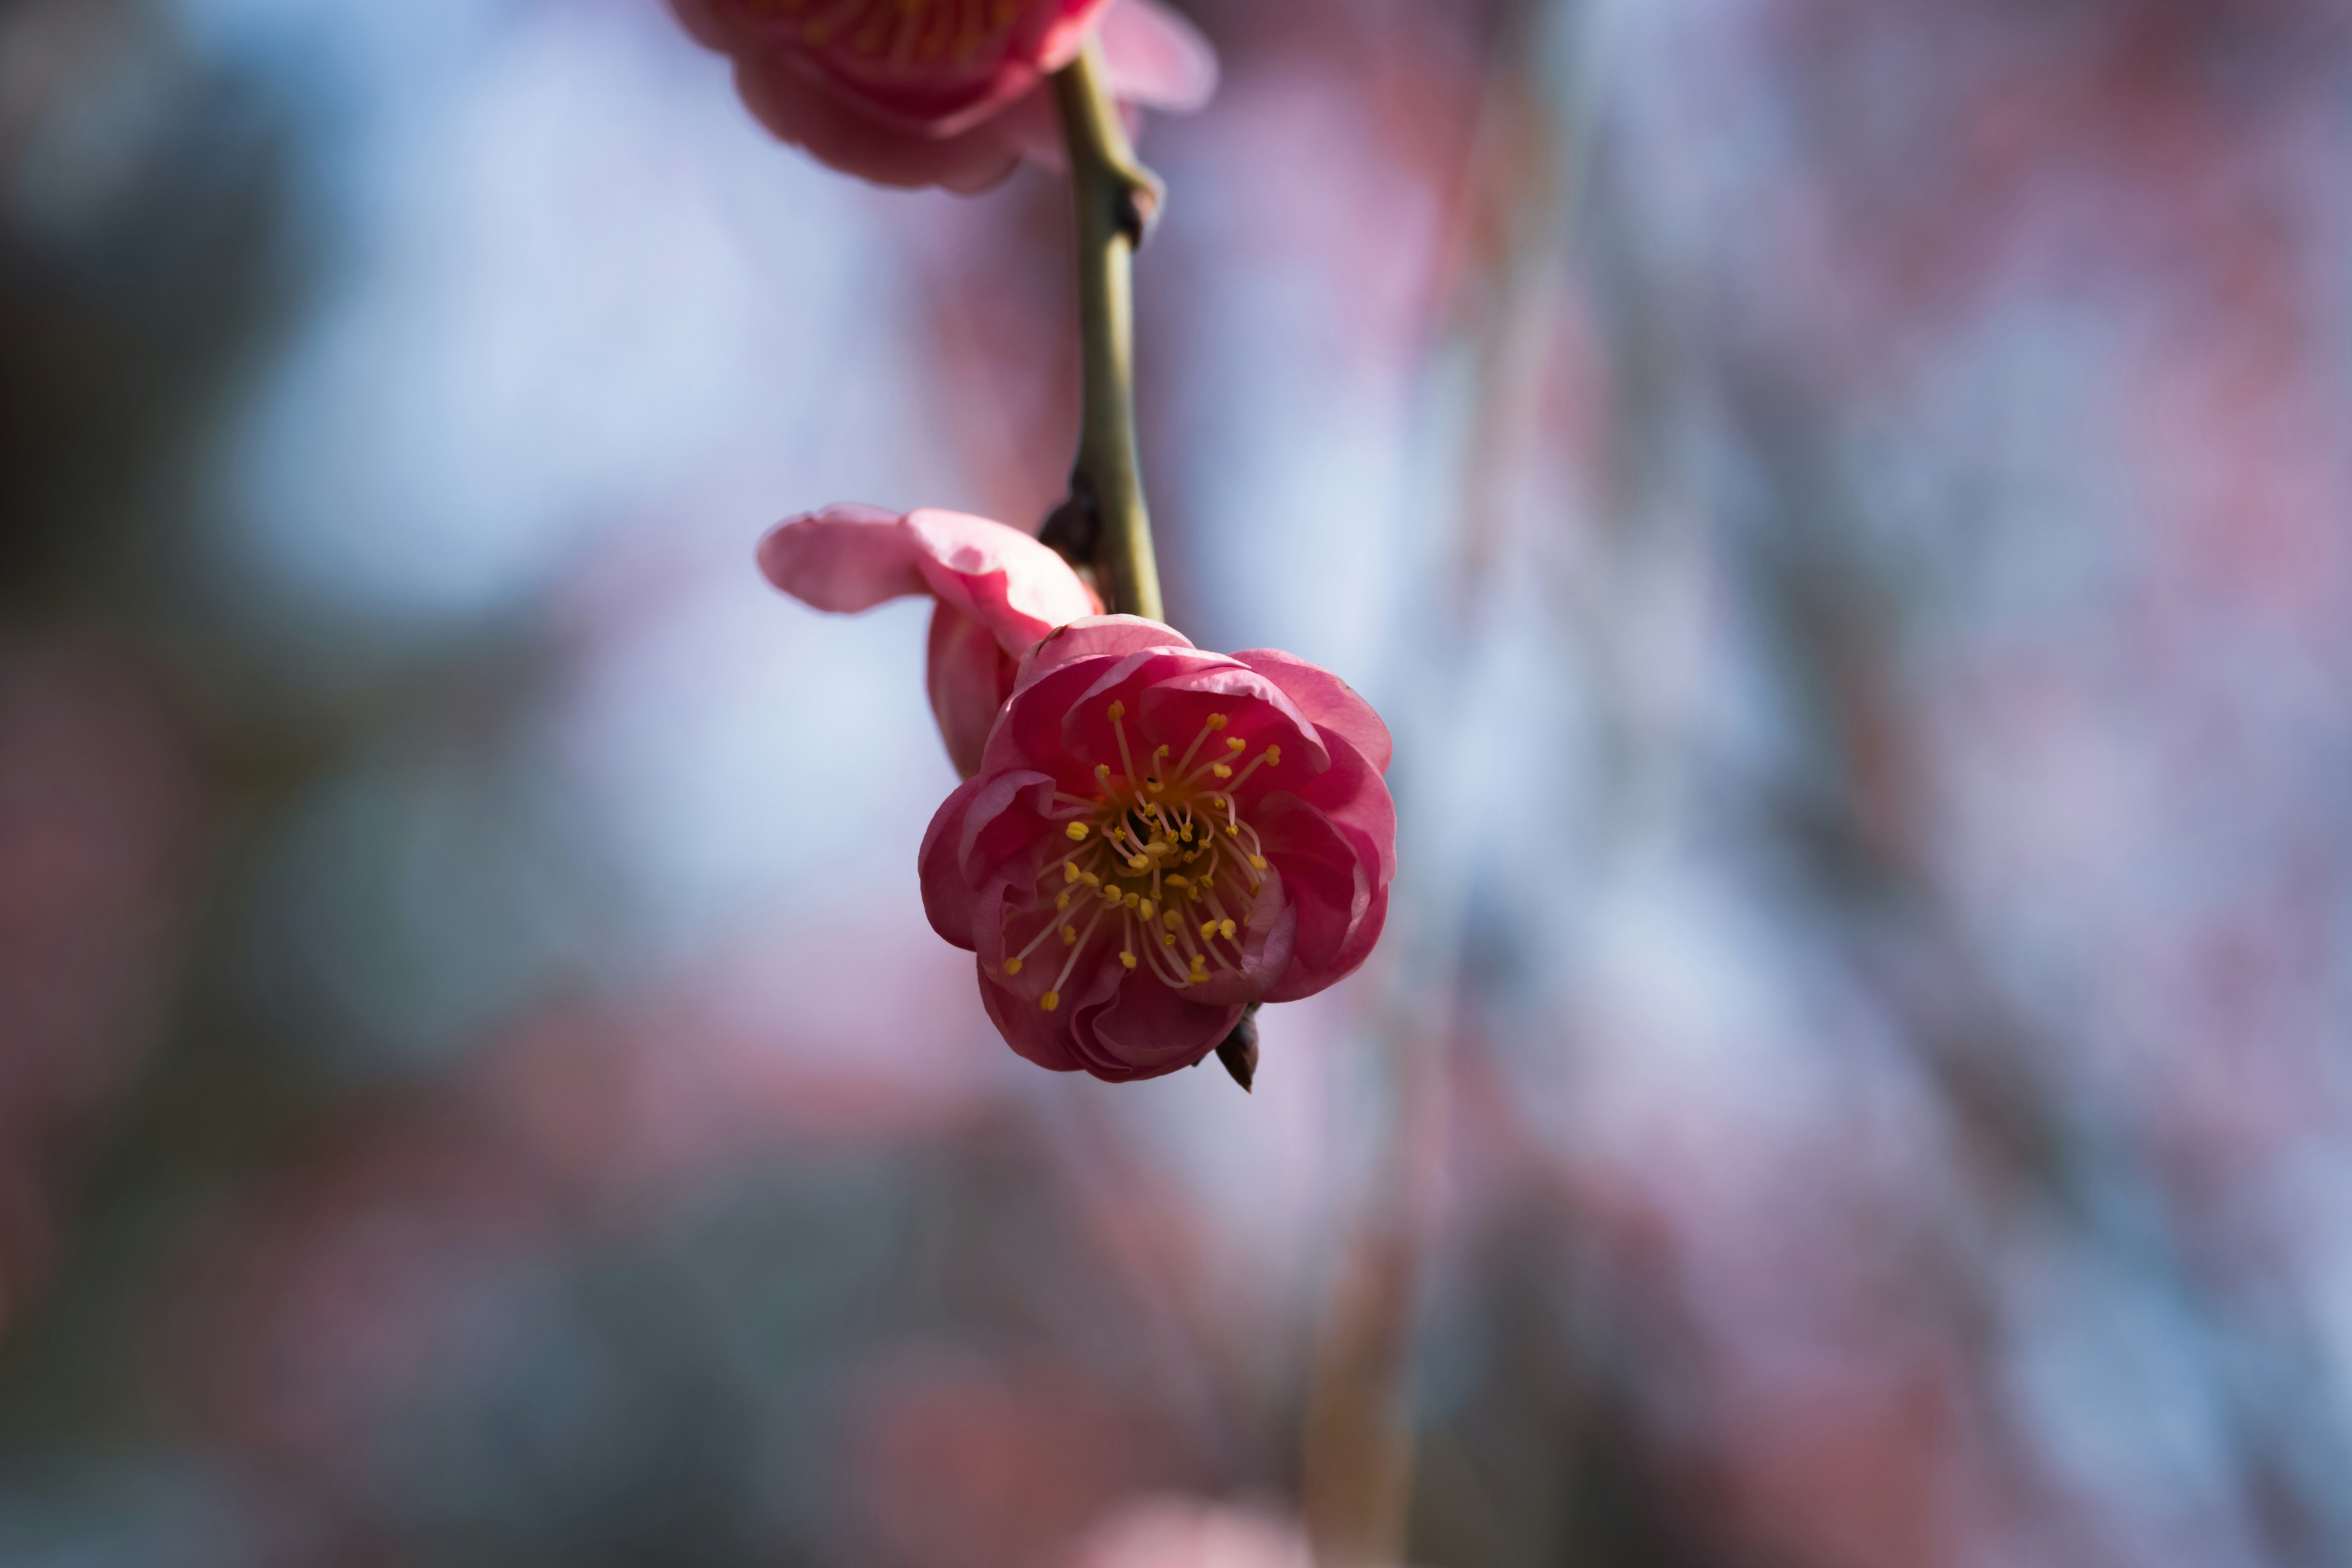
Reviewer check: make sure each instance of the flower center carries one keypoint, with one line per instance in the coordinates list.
(1161, 860)
(901, 31)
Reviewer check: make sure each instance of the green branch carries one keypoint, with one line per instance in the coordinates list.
(1117, 200)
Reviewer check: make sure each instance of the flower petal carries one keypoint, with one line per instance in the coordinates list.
(1155, 58)
(980, 827)
(967, 675)
(1092, 636)
(1000, 576)
(781, 93)
(849, 558)
(1326, 699)
(1147, 1030)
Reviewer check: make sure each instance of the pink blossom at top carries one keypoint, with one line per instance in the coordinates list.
(940, 92)
(998, 590)
(1157, 837)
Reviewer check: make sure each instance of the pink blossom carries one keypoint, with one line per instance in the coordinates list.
(1157, 837)
(998, 590)
(940, 92)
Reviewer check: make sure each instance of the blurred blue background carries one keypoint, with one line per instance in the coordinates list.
(1844, 503)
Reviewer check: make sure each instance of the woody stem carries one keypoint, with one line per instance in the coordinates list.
(1117, 200)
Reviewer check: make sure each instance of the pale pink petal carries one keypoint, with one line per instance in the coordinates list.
(1155, 58)
(1002, 577)
(968, 675)
(843, 558)
(849, 558)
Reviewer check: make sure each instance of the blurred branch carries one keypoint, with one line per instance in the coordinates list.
(1104, 523)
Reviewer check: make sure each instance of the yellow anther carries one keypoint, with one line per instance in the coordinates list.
(1237, 744)
(1063, 902)
(1232, 832)
(1112, 897)
(1227, 928)
(1011, 966)
(1208, 929)
(1161, 755)
(1171, 919)
(1167, 941)
(1145, 909)
(1216, 721)
(1128, 959)
(1222, 770)
(1258, 862)
(1090, 879)
(1070, 872)
(1051, 1000)
(1077, 832)
(1118, 711)
(1102, 773)
(1274, 756)
(1138, 863)
(1178, 879)
(1069, 935)
(1133, 900)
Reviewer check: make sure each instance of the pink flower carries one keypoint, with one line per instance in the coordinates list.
(940, 92)
(1155, 838)
(998, 590)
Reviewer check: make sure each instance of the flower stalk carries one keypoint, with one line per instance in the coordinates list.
(1105, 524)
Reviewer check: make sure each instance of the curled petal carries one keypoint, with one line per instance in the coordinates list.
(849, 558)
(998, 590)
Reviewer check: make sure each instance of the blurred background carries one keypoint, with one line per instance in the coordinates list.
(1843, 502)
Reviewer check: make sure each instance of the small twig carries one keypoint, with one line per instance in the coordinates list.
(1118, 200)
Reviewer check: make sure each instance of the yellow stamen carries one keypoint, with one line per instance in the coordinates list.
(1051, 1000)
(1070, 872)
(1069, 935)
(1216, 721)
(1076, 832)
(1128, 959)
(1227, 928)
(1011, 966)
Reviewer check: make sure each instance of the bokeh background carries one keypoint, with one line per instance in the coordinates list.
(1846, 505)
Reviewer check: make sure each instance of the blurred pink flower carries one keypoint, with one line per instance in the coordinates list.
(998, 590)
(1158, 836)
(940, 92)
(1173, 1533)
